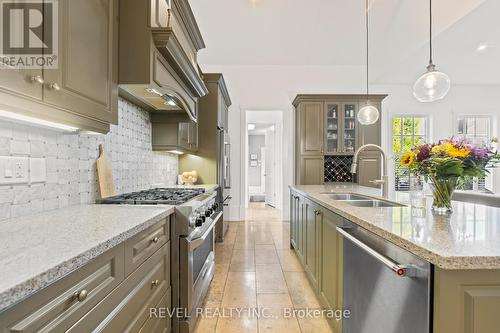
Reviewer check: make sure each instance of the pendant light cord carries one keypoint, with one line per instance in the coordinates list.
(367, 52)
(430, 32)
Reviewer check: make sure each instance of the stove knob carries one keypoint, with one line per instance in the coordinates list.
(215, 206)
(199, 221)
(208, 212)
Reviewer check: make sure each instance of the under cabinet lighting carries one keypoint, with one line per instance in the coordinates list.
(170, 101)
(20, 118)
(177, 152)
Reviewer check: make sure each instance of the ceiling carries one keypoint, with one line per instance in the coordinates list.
(331, 33)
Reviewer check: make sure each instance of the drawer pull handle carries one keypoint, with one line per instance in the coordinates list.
(54, 86)
(155, 283)
(37, 79)
(155, 240)
(81, 295)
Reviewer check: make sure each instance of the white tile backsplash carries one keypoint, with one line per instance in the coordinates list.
(71, 163)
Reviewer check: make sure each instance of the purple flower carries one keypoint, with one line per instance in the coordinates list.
(424, 151)
(480, 153)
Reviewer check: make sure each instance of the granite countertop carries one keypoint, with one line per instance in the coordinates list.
(207, 187)
(468, 239)
(39, 249)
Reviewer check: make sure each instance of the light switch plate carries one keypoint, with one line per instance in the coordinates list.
(38, 170)
(13, 170)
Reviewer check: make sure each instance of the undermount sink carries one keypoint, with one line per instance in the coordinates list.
(372, 203)
(346, 196)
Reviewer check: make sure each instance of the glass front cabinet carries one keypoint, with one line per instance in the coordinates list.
(341, 132)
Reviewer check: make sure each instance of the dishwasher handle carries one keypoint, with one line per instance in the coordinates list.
(399, 269)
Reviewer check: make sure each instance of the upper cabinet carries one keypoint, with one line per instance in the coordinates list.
(328, 125)
(81, 90)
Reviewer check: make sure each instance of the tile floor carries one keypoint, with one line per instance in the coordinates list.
(255, 268)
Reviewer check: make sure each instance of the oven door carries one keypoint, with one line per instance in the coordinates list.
(197, 265)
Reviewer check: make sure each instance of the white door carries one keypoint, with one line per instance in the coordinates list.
(270, 167)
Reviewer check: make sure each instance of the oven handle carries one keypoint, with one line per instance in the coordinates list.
(200, 240)
(400, 270)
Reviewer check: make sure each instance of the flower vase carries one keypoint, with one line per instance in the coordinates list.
(442, 191)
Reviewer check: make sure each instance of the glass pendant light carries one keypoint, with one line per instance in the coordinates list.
(433, 85)
(368, 114)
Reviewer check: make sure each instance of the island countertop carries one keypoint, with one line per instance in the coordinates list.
(467, 239)
(37, 250)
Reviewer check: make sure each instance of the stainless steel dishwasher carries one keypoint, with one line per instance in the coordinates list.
(386, 288)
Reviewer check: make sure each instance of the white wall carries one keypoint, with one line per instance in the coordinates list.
(255, 143)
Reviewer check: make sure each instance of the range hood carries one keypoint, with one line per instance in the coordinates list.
(155, 70)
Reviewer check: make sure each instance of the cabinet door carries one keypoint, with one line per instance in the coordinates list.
(300, 227)
(86, 79)
(183, 136)
(330, 286)
(293, 220)
(311, 128)
(369, 165)
(25, 82)
(349, 127)
(312, 170)
(193, 136)
(313, 217)
(332, 116)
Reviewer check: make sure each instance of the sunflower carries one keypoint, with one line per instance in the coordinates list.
(458, 152)
(408, 159)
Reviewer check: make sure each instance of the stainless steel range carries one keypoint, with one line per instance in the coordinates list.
(192, 234)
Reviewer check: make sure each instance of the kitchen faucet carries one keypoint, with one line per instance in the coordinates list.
(384, 180)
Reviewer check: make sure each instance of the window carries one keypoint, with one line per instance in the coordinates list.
(407, 132)
(477, 130)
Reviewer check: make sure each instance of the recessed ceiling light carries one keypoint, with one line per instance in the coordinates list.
(482, 47)
(251, 127)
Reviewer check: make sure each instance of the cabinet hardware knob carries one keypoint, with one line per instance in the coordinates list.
(54, 86)
(37, 79)
(81, 295)
(155, 240)
(155, 283)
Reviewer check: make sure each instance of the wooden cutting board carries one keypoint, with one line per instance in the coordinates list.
(105, 174)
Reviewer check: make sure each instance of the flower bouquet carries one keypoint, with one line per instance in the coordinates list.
(446, 162)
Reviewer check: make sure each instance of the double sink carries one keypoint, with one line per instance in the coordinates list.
(358, 200)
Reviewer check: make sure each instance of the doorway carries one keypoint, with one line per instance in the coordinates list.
(262, 163)
(262, 160)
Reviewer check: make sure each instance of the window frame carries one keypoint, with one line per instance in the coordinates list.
(401, 135)
(487, 182)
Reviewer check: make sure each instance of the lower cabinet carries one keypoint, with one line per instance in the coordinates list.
(311, 170)
(331, 254)
(319, 247)
(101, 296)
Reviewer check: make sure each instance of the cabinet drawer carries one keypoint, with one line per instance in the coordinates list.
(143, 245)
(160, 322)
(57, 307)
(126, 309)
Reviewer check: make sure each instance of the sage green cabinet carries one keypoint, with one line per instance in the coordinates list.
(328, 125)
(318, 245)
(86, 78)
(174, 132)
(311, 170)
(312, 224)
(310, 128)
(112, 293)
(331, 254)
(82, 91)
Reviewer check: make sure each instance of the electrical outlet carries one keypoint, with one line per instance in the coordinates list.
(13, 170)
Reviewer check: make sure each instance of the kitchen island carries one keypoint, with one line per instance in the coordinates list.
(463, 250)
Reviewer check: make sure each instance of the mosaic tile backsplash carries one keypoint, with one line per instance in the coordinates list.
(71, 163)
(338, 169)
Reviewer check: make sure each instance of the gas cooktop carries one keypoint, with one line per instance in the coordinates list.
(168, 196)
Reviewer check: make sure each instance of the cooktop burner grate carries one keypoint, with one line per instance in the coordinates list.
(169, 196)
